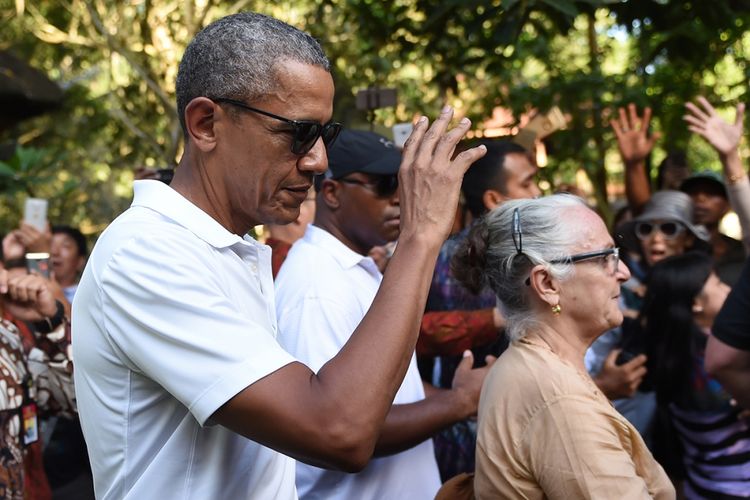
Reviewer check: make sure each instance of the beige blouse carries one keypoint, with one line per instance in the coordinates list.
(546, 431)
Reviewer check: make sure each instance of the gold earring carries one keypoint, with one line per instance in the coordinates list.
(556, 309)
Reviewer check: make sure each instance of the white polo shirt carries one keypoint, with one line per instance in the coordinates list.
(174, 315)
(323, 291)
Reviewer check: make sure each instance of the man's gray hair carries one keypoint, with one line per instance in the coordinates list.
(236, 56)
(548, 231)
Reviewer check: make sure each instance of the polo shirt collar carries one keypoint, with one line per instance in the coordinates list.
(159, 197)
(345, 256)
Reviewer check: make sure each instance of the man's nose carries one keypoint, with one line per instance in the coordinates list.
(315, 160)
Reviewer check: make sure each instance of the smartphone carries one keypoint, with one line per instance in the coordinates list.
(38, 263)
(401, 132)
(35, 213)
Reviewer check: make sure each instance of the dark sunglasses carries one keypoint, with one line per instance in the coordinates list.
(384, 186)
(305, 133)
(670, 229)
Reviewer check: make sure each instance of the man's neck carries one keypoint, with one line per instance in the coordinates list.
(193, 182)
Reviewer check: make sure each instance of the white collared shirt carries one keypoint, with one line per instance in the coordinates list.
(323, 291)
(174, 315)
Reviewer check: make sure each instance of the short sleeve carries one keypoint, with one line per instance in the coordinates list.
(315, 329)
(179, 319)
(732, 325)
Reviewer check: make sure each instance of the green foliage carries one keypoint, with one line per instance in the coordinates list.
(117, 62)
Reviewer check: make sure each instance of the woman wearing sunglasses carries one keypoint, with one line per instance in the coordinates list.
(684, 296)
(664, 229)
(545, 429)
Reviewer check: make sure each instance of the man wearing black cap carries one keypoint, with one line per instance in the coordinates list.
(325, 287)
(709, 195)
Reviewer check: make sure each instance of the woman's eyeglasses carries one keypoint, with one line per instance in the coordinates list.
(305, 133)
(611, 255)
(670, 229)
(384, 186)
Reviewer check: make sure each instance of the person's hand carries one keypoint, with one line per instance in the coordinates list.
(621, 381)
(28, 297)
(13, 248)
(704, 121)
(632, 134)
(429, 180)
(467, 381)
(33, 239)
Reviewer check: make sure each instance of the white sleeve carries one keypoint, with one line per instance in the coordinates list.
(173, 318)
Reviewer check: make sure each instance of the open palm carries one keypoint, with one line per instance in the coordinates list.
(704, 121)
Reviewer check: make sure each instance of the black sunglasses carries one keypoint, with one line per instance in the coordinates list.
(305, 133)
(384, 186)
(670, 229)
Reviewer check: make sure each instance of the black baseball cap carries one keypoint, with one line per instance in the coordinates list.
(362, 151)
(705, 181)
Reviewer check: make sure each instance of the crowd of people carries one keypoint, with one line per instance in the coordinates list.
(417, 323)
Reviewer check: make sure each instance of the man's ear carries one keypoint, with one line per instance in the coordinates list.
(492, 198)
(545, 286)
(330, 190)
(200, 122)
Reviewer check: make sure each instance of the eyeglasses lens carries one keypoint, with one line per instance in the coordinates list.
(669, 229)
(307, 133)
(386, 185)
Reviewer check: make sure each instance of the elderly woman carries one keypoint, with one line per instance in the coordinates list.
(545, 430)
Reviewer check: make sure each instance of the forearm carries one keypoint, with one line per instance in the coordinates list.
(738, 191)
(366, 374)
(637, 187)
(408, 425)
(731, 367)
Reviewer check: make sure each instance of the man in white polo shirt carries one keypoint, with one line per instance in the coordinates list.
(182, 388)
(325, 287)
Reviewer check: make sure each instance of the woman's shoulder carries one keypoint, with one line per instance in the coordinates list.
(531, 375)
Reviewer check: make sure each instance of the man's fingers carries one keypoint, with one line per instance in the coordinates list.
(616, 127)
(710, 111)
(633, 116)
(624, 124)
(639, 373)
(434, 134)
(646, 122)
(654, 138)
(464, 159)
(490, 360)
(467, 362)
(636, 361)
(411, 146)
(696, 111)
(447, 143)
(612, 356)
(740, 114)
(692, 120)
(697, 130)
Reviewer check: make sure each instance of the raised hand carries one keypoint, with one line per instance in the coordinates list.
(703, 120)
(33, 239)
(633, 138)
(430, 178)
(28, 297)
